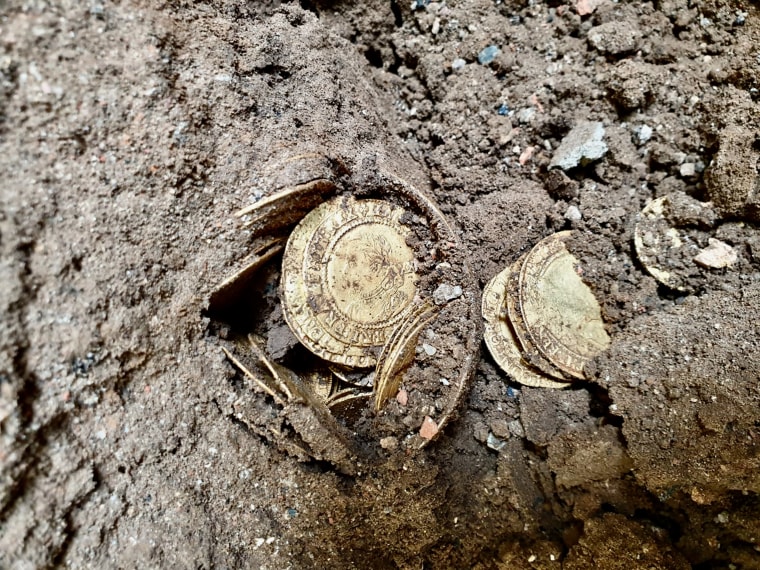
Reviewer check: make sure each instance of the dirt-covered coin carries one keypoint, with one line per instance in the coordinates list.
(662, 249)
(561, 315)
(531, 353)
(500, 338)
(348, 279)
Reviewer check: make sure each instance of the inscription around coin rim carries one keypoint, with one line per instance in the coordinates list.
(307, 305)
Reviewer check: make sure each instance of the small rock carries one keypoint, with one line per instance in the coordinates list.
(402, 397)
(280, 341)
(487, 55)
(573, 214)
(429, 349)
(500, 429)
(717, 255)
(390, 443)
(495, 443)
(458, 64)
(503, 110)
(516, 428)
(615, 38)
(429, 428)
(643, 134)
(586, 7)
(445, 293)
(526, 115)
(480, 432)
(581, 146)
(688, 170)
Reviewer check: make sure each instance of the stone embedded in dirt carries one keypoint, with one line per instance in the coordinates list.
(688, 170)
(500, 428)
(573, 214)
(581, 146)
(445, 293)
(560, 186)
(643, 134)
(390, 443)
(402, 397)
(495, 443)
(458, 64)
(717, 255)
(586, 7)
(615, 38)
(733, 179)
(429, 428)
(488, 54)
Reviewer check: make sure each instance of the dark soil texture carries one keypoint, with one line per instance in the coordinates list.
(130, 132)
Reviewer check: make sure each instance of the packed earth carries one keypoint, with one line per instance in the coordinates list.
(132, 131)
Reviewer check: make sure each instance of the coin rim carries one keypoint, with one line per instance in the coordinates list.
(574, 363)
(296, 296)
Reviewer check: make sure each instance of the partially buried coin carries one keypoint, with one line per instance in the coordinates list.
(560, 312)
(348, 279)
(542, 323)
(500, 338)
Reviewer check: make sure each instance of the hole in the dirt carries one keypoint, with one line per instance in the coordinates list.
(374, 57)
(121, 469)
(398, 17)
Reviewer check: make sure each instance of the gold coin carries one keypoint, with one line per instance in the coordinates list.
(530, 353)
(500, 338)
(348, 279)
(561, 314)
(348, 405)
(658, 245)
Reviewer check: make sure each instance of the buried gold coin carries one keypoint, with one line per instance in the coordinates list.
(668, 253)
(500, 338)
(561, 314)
(542, 323)
(531, 354)
(348, 279)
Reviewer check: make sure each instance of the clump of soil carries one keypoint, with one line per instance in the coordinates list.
(130, 133)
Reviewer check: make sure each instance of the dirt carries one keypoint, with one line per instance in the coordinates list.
(129, 134)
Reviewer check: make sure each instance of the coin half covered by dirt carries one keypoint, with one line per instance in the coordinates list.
(348, 279)
(561, 314)
(500, 338)
(661, 248)
(542, 322)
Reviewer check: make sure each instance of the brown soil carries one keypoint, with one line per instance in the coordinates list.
(130, 132)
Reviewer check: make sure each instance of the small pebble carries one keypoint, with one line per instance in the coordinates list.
(688, 169)
(500, 428)
(429, 428)
(458, 64)
(402, 397)
(487, 55)
(503, 110)
(573, 214)
(445, 293)
(643, 133)
(429, 349)
(581, 146)
(495, 443)
(717, 255)
(390, 443)
(516, 429)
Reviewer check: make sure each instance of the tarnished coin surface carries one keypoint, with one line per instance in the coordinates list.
(560, 313)
(500, 338)
(348, 279)
(531, 354)
(661, 249)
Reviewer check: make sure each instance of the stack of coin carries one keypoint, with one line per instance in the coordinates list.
(542, 322)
